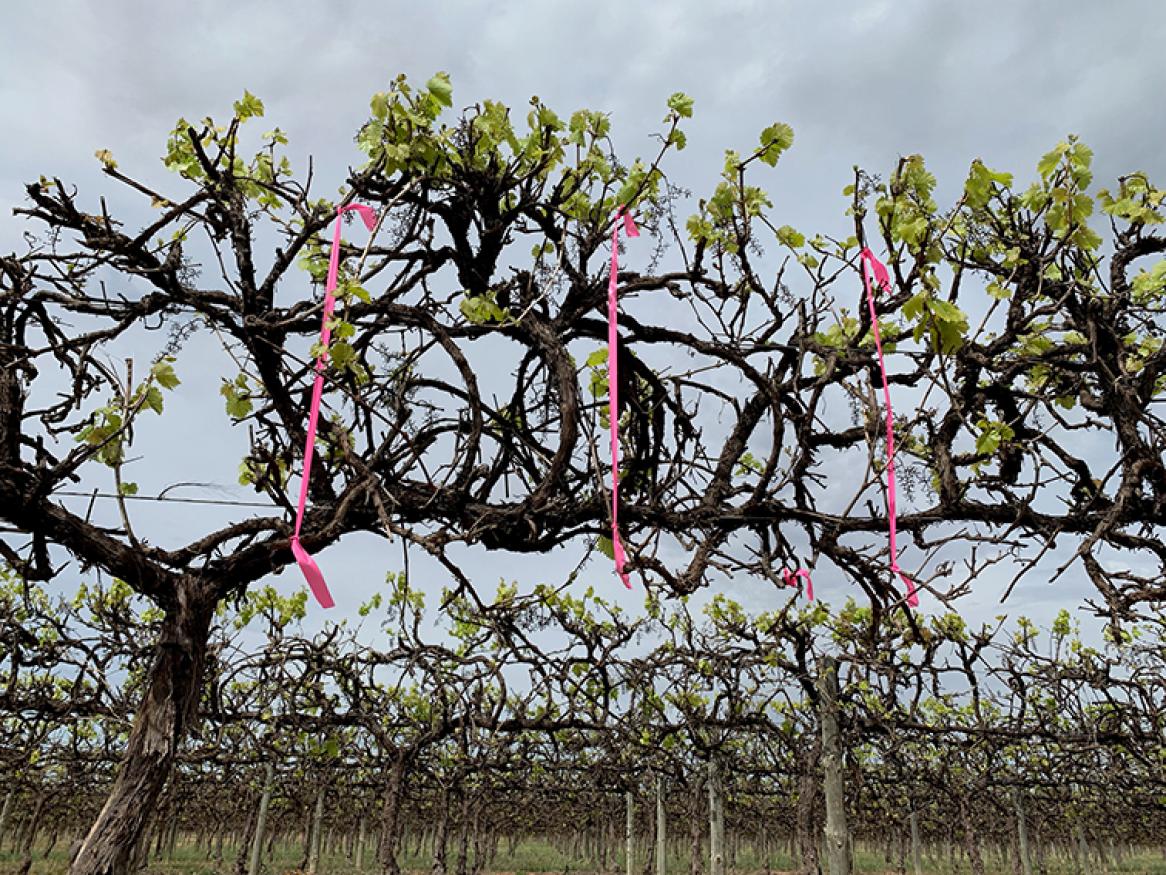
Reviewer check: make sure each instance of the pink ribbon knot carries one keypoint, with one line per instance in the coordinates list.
(304, 559)
(883, 279)
(631, 230)
(791, 579)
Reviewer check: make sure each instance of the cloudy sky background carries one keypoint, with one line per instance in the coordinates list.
(860, 82)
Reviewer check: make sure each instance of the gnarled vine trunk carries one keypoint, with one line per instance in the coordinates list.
(806, 827)
(441, 838)
(971, 839)
(390, 817)
(161, 722)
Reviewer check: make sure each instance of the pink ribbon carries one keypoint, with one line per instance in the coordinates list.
(631, 230)
(791, 579)
(879, 270)
(307, 564)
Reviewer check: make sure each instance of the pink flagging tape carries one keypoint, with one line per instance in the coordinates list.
(791, 579)
(307, 564)
(872, 266)
(624, 218)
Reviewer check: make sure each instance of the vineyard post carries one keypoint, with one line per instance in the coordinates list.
(837, 838)
(261, 821)
(629, 834)
(916, 856)
(661, 830)
(1021, 832)
(716, 820)
(317, 831)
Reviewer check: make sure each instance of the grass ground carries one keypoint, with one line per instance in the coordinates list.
(536, 858)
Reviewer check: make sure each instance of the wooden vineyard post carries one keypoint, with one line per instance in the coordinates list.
(837, 834)
(317, 830)
(1022, 832)
(261, 821)
(716, 821)
(916, 855)
(661, 829)
(629, 832)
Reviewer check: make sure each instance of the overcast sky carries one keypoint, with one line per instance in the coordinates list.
(860, 82)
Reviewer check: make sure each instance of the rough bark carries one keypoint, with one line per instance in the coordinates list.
(837, 833)
(971, 841)
(441, 838)
(4, 814)
(390, 819)
(805, 851)
(163, 831)
(141, 853)
(32, 824)
(463, 847)
(242, 844)
(161, 722)
(480, 841)
(694, 834)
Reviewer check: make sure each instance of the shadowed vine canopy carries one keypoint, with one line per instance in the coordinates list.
(466, 395)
